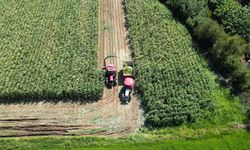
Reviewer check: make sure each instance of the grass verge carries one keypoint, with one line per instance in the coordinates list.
(234, 140)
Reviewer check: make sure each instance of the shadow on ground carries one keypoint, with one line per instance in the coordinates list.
(120, 78)
(34, 98)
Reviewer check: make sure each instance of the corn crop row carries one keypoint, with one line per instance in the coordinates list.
(173, 82)
(48, 49)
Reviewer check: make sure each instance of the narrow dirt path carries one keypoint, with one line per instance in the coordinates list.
(106, 117)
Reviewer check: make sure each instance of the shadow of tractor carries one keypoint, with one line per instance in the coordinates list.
(120, 78)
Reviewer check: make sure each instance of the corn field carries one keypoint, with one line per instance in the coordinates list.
(48, 49)
(172, 80)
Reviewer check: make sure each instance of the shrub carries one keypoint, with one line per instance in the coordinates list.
(207, 31)
(235, 19)
(189, 8)
(226, 50)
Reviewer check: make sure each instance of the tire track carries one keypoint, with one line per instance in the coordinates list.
(130, 114)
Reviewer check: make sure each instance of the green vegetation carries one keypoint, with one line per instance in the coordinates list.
(185, 9)
(225, 51)
(128, 70)
(234, 140)
(47, 49)
(174, 84)
(229, 109)
(234, 18)
(244, 2)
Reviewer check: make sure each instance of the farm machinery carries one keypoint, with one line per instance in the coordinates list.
(110, 72)
(127, 77)
(128, 81)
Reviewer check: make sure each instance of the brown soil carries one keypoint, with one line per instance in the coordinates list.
(106, 117)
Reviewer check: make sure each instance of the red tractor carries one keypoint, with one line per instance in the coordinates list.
(128, 78)
(110, 73)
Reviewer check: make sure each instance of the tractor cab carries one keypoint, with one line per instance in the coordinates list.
(110, 72)
(127, 89)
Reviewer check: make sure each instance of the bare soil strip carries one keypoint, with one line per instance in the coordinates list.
(112, 41)
(107, 117)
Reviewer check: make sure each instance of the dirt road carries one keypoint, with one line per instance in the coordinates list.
(112, 41)
(106, 117)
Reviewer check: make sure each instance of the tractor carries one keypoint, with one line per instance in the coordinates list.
(110, 73)
(128, 81)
